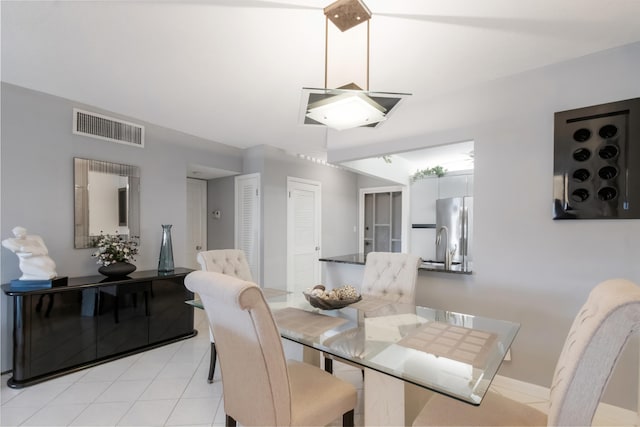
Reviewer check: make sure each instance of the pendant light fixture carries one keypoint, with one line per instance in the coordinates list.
(348, 106)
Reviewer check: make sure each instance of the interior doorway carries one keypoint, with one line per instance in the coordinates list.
(303, 233)
(196, 220)
(383, 219)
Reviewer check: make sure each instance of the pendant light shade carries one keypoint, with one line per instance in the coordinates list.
(348, 106)
(346, 111)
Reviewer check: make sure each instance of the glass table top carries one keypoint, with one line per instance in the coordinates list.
(452, 353)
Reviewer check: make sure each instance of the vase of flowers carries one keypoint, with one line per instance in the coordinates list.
(114, 251)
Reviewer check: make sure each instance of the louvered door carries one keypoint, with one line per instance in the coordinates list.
(247, 227)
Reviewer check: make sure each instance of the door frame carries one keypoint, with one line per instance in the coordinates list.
(291, 184)
(203, 195)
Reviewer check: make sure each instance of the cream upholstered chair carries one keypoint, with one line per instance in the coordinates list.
(232, 262)
(596, 338)
(260, 386)
(389, 276)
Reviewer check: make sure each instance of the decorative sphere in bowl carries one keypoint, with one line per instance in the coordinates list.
(334, 299)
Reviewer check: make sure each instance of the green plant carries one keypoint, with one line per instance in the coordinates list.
(114, 248)
(439, 171)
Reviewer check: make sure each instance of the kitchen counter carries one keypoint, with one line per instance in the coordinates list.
(359, 259)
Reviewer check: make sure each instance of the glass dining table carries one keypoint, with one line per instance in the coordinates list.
(401, 349)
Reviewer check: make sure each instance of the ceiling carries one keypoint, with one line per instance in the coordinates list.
(232, 71)
(452, 157)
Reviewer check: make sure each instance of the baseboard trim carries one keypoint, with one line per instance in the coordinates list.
(606, 414)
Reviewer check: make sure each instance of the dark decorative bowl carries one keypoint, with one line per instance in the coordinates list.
(329, 304)
(117, 269)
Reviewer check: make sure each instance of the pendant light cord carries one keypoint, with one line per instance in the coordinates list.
(326, 51)
(368, 50)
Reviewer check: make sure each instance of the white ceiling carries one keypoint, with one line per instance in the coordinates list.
(232, 71)
(452, 157)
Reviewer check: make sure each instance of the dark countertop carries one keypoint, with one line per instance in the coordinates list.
(346, 259)
(359, 259)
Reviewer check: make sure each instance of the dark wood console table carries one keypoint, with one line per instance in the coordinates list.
(95, 319)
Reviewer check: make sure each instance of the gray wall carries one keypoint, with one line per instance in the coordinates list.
(339, 207)
(527, 267)
(37, 183)
(221, 196)
(368, 181)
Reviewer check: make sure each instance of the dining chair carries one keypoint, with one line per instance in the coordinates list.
(596, 339)
(232, 262)
(388, 276)
(260, 387)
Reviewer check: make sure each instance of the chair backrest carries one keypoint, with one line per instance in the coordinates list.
(595, 340)
(391, 276)
(255, 379)
(232, 262)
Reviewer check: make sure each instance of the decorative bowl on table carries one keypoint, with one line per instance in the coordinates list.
(341, 297)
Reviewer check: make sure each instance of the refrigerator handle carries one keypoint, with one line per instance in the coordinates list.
(465, 232)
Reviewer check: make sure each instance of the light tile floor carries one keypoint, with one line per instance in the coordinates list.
(166, 386)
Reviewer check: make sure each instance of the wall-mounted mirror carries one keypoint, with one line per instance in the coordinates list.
(107, 200)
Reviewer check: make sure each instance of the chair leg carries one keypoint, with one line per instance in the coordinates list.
(212, 363)
(230, 422)
(347, 419)
(328, 365)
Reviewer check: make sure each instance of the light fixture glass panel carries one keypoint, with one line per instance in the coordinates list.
(347, 111)
(311, 98)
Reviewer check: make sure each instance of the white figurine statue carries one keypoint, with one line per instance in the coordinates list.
(35, 264)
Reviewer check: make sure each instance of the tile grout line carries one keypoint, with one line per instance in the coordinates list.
(45, 404)
(195, 372)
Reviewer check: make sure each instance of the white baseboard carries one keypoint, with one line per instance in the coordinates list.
(606, 414)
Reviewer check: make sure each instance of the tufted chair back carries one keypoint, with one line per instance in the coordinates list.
(595, 340)
(391, 276)
(598, 334)
(231, 262)
(255, 380)
(260, 387)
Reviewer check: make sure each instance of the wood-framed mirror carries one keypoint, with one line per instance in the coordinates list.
(106, 200)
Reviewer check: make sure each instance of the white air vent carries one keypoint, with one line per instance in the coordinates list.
(107, 128)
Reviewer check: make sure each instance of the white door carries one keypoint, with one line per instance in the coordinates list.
(196, 220)
(247, 224)
(303, 234)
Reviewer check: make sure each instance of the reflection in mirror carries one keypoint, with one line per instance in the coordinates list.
(107, 200)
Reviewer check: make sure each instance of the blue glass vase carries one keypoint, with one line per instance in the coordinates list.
(165, 263)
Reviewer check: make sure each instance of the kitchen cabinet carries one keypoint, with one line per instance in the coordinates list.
(424, 193)
(455, 186)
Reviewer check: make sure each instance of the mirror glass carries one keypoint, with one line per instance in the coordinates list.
(107, 200)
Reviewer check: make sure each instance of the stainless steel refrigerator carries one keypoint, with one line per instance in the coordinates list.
(456, 214)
